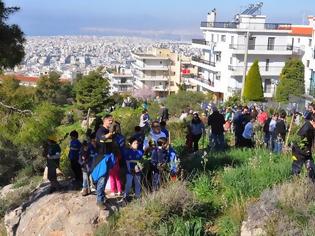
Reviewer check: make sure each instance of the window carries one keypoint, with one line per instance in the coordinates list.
(218, 37)
(310, 42)
(271, 43)
(172, 83)
(212, 38)
(267, 88)
(299, 40)
(251, 43)
(161, 62)
(308, 63)
(267, 64)
(231, 60)
(232, 40)
(223, 38)
(218, 56)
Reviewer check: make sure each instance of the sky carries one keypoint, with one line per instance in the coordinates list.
(141, 17)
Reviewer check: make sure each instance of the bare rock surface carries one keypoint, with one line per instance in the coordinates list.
(62, 213)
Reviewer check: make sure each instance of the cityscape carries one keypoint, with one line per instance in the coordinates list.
(216, 63)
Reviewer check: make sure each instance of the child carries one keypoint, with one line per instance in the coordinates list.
(85, 162)
(132, 156)
(138, 134)
(114, 173)
(75, 147)
(163, 128)
(163, 159)
(52, 152)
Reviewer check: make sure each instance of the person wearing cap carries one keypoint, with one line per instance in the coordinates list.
(52, 152)
(75, 146)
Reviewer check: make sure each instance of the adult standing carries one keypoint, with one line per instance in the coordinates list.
(302, 151)
(216, 121)
(197, 129)
(144, 121)
(163, 113)
(75, 146)
(105, 159)
(237, 123)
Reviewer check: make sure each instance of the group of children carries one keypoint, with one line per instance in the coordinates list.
(128, 159)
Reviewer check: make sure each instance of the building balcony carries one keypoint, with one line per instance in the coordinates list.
(142, 77)
(209, 65)
(119, 83)
(264, 71)
(150, 67)
(160, 88)
(267, 48)
(209, 85)
(251, 26)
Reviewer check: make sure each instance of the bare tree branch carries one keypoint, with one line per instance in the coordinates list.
(14, 109)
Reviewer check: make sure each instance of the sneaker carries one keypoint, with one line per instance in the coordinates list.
(101, 205)
(85, 192)
(112, 195)
(119, 194)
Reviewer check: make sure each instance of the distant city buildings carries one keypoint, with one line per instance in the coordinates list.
(217, 63)
(160, 70)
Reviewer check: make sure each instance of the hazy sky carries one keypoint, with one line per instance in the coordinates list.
(60, 17)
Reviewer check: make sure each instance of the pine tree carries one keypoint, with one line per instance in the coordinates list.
(253, 89)
(291, 80)
(11, 39)
(92, 91)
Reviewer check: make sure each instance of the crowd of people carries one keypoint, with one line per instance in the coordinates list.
(106, 155)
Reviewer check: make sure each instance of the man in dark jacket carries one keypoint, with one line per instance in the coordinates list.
(238, 126)
(105, 159)
(302, 150)
(216, 121)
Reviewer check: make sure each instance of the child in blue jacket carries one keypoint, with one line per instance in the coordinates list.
(132, 156)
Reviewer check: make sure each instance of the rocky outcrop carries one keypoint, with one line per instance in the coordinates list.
(63, 213)
(259, 213)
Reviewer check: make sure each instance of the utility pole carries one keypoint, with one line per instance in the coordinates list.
(245, 63)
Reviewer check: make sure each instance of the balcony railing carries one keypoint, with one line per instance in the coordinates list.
(236, 25)
(203, 61)
(262, 69)
(200, 41)
(207, 82)
(262, 47)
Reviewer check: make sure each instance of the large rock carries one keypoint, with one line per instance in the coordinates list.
(259, 214)
(64, 213)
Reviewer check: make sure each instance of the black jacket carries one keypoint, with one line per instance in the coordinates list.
(216, 121)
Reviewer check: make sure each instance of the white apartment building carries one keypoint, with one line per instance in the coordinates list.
(121, 81)
(221, 68)
(153, 71)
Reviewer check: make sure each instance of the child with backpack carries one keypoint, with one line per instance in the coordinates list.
(163, 160)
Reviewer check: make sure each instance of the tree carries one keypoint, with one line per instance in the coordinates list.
(11, 39)
(253, 89)
(48, 87)
(291, 80)
(92, 91)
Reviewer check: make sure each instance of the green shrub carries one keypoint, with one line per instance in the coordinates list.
(146, 214)
(178, 227)
(128, 118)
(253, 89)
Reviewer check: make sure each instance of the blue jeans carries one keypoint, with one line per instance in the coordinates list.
(100, 189)
(278, 146)
(85, 182)
(217, 141)
(137, 180)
